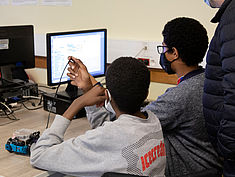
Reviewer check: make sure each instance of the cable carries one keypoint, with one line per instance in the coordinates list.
(8, 115)
(46, 87)
(33, 104)
(6, 107)
(144, 48)
(31, 109)
(42, 92)
(102, 81)
(50, 109)
(33, 97)
(10, 111)
(40, 102)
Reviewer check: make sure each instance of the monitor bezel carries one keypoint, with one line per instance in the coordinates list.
(48, 44)
(29, 61)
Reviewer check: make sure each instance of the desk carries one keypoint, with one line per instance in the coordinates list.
(11, 164)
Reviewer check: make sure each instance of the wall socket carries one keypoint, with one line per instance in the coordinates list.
(146, 61)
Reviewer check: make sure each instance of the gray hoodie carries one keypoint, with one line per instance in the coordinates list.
(126, 145)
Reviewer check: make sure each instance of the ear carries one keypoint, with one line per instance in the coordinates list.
(175, 53)
(106, 95)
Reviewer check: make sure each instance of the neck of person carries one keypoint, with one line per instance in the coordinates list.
(119, 112)
(137, 114)
(183, 69)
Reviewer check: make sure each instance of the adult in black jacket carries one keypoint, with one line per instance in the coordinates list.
(219, 88)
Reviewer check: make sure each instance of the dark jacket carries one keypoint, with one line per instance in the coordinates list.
(219, 88)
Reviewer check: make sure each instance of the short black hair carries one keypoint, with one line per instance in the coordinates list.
(189, 37)
(128, 81)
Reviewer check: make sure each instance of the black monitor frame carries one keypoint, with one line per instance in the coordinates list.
(19, 49)
(48, 39)
(16, 49)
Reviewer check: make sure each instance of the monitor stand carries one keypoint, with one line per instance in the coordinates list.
(71, 92)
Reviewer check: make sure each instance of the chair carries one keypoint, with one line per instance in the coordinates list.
(114, 174)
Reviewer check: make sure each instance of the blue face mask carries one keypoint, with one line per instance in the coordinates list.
(166, 64)
(212, 4)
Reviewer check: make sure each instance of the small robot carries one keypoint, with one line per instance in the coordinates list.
(21, 146)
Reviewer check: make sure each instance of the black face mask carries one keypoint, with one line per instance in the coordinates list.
(165, 64)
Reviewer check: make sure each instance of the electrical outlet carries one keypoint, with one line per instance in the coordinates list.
(145, 61)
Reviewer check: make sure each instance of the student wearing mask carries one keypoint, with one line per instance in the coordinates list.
(188, 149)
(131, 144)
(219, 92)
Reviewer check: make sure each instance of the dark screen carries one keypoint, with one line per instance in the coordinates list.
(17, 45)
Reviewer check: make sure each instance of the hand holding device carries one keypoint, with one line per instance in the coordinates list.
(78, 74)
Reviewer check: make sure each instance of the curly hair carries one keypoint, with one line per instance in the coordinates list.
(128, 81)
(189, 37)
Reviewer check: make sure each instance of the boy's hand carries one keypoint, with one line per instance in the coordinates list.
(95, 96)
(79, 75)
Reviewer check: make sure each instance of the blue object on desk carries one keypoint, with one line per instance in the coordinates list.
(19, 146)
(18, 149)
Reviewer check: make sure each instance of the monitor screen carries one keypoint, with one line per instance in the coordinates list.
(90, 46)
(17, 45)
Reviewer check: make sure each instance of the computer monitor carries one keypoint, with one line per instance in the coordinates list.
(88, 45)
(16, 48)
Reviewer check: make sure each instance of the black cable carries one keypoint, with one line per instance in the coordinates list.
(7, 107)
(8, 115)
(47, 87)
(32, 103)
(144, 48)
(50, 109)
(31, 109)
(41, 91)
(40, 102)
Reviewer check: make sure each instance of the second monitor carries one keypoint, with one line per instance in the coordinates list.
(90, 46)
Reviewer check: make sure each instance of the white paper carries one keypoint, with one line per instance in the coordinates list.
(24, 2)
(4, 2)
(56, 2)
(4, 44)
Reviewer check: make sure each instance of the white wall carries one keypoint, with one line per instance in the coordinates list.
(124, 19)
(140, 20)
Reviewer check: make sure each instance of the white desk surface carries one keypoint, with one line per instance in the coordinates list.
(11, 164)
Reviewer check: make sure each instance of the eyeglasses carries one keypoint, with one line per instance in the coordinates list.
(162, 49)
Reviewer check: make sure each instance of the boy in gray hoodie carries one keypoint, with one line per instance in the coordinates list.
(131, 144)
